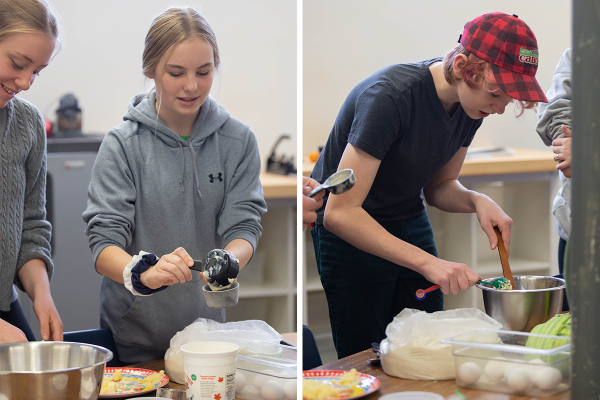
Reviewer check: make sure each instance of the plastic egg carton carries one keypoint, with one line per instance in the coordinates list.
(500, 361)
(266, 371)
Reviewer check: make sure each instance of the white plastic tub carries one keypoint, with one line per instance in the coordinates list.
(210, 370)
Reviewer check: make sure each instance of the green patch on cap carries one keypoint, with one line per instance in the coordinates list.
(528, 56)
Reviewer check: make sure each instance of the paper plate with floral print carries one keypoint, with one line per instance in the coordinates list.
(132, 382)
(364, 384)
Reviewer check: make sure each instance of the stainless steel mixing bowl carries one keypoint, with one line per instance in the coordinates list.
(51, 370)
(535, 300)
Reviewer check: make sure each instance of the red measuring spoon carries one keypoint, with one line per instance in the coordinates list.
(499, 283)
(421, 293)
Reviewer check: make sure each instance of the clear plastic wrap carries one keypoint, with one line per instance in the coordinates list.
(412, 349)
(203, 330)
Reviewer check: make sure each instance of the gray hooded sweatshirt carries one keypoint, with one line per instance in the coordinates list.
(153, 191)
(552, 116)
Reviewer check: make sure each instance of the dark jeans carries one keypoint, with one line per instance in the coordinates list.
(561, 259)
(16, 318)
(365, 292)
(562, 243)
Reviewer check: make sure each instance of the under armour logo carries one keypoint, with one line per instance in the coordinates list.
(212, 178)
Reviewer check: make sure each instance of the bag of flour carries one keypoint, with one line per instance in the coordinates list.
(203, 330)
(412, 349)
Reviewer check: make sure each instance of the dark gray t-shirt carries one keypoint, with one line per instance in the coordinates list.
(396, 116)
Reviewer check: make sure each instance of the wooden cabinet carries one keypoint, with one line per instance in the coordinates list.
(523, 183)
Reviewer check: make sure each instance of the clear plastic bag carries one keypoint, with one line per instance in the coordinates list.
(203, 330)
(412, 349)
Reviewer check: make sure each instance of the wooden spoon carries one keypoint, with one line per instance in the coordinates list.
(504, 259)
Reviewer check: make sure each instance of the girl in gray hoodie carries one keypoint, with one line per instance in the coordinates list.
(178, 178)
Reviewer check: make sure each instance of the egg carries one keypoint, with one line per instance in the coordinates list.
(508, 368)
(494, 370)
(272, 390)
(240, 381)
(290, 389)
(282, 378)
(469, 373)
(518, 379)
(260, 379)
(547, 378)
(534, 366)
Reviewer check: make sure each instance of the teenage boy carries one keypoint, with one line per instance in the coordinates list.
(405, 131)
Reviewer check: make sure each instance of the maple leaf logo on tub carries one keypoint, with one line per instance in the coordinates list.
(220, 379)
(218, 396)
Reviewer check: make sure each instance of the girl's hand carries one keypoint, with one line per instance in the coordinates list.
(34, 277)
(452, 277)
(10, 333)
(310, 204)
(171, 268)
(51, 326)
(490, 215)
(562, 148)
(204, 278)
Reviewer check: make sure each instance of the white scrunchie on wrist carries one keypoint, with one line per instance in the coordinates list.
(127, 274)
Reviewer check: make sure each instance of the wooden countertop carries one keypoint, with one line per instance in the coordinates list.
(390, 384)
(278, 186)
(522, 161)
(157, 365)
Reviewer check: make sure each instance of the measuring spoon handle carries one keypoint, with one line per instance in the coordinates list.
(316, 190)
(198, 266)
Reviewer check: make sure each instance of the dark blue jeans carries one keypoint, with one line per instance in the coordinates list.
(562, 243)
(365, 292)
(16, 318)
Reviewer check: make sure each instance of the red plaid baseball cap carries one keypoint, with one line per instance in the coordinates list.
(510, 46)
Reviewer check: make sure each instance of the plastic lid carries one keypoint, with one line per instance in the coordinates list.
(510, 336)
(412, 396)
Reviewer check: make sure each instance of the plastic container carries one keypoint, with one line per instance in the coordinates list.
(210, 369)
(500, 361)
(261, 362)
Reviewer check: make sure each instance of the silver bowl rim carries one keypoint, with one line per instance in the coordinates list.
(562, 285)
(109, 354)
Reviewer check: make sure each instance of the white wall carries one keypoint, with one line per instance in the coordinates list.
(344, 41)
(101, 62)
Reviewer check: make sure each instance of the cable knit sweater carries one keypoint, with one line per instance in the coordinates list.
(24, 231)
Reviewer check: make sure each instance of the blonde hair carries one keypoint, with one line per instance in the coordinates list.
(172, 27)
(28, 16)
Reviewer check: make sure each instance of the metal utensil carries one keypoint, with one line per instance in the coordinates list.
(533, 301)
(221, 298)
(51, 370)
(375, 362)
(173, 394)
(198, 266)
(337, 183)
(218, 267)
